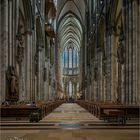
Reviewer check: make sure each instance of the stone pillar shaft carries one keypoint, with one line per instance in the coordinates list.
(4, 48)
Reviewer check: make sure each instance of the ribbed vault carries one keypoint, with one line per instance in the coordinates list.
(70, 17)
(70, 21)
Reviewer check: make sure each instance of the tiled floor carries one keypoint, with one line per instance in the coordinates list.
(71, 135)
(69, 122)
(70, 113)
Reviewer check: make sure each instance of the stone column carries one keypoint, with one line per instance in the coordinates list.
(104, 88)
(87, 84)
(130, 43)
(15, 12)
(135, 65)
(10, 23)
(75, 90)
(98, 74)
(27, 65)
(123, 84)
(130, 53)
(46, 88)
(138, 52)
(33, 78)
(31, 67)
(126, 54)
(4, 48)
(72, 85)
(119, 81)
(47, 80)
(105, 68)
(32, 52)
(90, 89)
(1, 95)
(101, 77)
(92, 79)
(52, 82)
(39, 74)
(108, 76)
(113, 68)
(43, 71)
(67, 90)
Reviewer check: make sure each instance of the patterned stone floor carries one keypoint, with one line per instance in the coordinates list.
(68, 122)
(99, 134)
(70, 113)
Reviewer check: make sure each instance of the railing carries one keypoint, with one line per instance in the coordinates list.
(70, 71)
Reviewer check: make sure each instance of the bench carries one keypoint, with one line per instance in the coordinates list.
(115, 114)
(131, 111)
(19, 112)
(24, 111)
(103, 109)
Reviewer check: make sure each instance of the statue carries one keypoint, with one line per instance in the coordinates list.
(20, 41)
(12, 84)
(120, 52)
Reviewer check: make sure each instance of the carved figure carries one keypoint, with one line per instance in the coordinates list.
(13, 82)
(120, 52)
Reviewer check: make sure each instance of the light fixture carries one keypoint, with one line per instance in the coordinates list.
(101, 1)
(97, 14)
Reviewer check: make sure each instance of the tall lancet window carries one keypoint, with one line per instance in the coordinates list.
(70, 59)
(70, 50)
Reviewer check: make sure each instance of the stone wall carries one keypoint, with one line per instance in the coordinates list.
(23, 46)
(114, 60)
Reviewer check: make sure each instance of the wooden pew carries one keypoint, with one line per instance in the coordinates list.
(24, 111)
(115, 114)
(51, 105)
(19, 111)
(97, 109)
(131, 111)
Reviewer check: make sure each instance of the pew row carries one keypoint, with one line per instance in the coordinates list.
(27, 111)
(106, 110)
(118, 115)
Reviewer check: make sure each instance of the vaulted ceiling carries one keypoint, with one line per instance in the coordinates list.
(70, 21)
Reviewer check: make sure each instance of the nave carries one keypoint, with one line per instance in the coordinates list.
(70, 69)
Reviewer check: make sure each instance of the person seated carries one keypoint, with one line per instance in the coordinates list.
(5, 103)
(117, 101)
(33, 104)
(2, 103)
